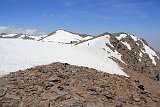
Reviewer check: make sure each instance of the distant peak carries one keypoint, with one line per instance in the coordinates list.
(62, 30)
(104, 34)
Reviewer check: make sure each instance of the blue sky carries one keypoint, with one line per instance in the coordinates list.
(139, 17)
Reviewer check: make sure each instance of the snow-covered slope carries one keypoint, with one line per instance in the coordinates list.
(86, 38)
(102, 52)
(19, 54)
(101, 43)
(39, 38)
(61, 36)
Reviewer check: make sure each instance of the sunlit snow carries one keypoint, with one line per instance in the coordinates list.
(100, 43)
(128, 46)
(134, 38)
(62, 37)
(20, 54)
(121, 36)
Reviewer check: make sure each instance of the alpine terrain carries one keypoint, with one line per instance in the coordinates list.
(66, 69)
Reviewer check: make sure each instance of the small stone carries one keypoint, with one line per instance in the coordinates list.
(43, 104)
(68, 96)
(1, 98)
(2, 92)
(71, 102)
(50, 96)
(136, 97)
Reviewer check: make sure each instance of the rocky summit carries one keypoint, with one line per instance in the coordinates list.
(64, 85)
(140, 57)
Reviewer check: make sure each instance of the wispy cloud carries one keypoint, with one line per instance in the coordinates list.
(13, 29)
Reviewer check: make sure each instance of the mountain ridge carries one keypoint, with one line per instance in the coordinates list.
(111, 69)
(117, 46)
(40, 37)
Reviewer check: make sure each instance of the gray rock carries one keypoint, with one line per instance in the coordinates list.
(2, 92)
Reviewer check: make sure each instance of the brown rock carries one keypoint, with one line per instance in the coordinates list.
(12, 96)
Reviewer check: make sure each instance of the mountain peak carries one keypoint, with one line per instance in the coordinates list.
(61, 30)
(65, 37)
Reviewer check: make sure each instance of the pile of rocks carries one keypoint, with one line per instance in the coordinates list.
(64, 85)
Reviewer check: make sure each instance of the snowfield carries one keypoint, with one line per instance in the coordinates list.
(100, 43)
(16, 54)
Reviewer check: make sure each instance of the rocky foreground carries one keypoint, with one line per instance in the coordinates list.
(64, 85)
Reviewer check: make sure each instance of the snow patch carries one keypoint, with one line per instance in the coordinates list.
(128, 46)
(140, 59)
(151, 53)
(134, 38)
(137, 43)
(121, 36)
(140, 54)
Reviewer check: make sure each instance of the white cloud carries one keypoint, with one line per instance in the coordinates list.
(13, 29)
